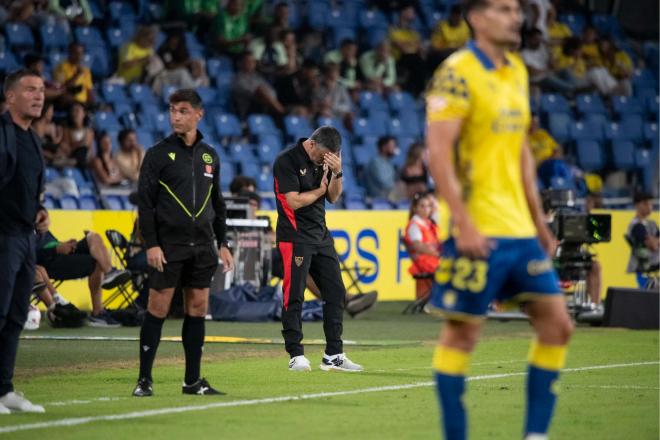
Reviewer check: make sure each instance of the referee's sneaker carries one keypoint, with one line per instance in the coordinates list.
(305, 176)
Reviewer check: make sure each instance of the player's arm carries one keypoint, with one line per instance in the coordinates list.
(220, 221)
(335, 187)
(548, 241)
(286, 182)
(297, 200)
(147, 196)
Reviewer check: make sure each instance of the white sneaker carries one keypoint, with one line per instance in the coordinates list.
(339, 362)
(533, 436)
(4, 409)
(14, 401)
(299, 363)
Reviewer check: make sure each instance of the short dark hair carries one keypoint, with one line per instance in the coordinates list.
(31, 59)
(347, 42)
(14, 77)
(383, 140)
(123, 134)
(471, 5)
(239, 184)
(187, 95)
(641, 196)
(327, 137)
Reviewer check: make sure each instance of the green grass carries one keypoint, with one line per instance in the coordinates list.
(612, 403)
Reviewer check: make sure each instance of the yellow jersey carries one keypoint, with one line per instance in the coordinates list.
(543, 145)
(493, 104)
(446, 36)
(65, 71)
(129, 52)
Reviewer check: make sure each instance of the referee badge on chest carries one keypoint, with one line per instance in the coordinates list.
(299, 261)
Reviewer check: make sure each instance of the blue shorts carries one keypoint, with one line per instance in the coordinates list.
(517, 270)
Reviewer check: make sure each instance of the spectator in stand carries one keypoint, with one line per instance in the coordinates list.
(542, 144)
(179, 68)
(557, 31)
(86, 258)
(242, 184)
(331, 99)
(380, 175)
(414, 174)
(270, 53)
(408, 52)
(617, 62)
(130, 155)
(296, 91)
(49, 133)
(75, 77)
(231, 28)
(537, 15)
(104, 166)
(281, 16)
(198, 15)
(590, 46)
(75, 12)
(346, 58)
(77, 137)
(54, 91)
(538, 59)
(379, 68)
(251, 92)
(293, 57)
(137, 62)
(448, 35)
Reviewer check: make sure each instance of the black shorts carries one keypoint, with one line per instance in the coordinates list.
(187, 266)
(79, 264)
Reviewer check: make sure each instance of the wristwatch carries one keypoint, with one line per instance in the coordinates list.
(338, 175)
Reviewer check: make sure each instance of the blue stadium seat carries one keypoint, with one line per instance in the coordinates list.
(165, 94)
(267, 152)
(558, 126)
(650, 132)
(115, 203)
(145, 138)
(589, 104)
(219, 65)
(264, 184)
(273, 140)
(55, 58)
(142, 94)
(371, 102)
(89, 36)
(331, 122)
(372, 18)
(161, 121)
(19, 36)
(207, 94)
(381, 204)
(375, 36)
(50, 202)
(590, 155)
(77, 176)
(354, 204)
(340, 34)
(122, 108)
(106, 121)
(588, 130)
(240, 152)
(644, 79)
(194, 46)
(628, 129)
(623, 155)
(227, 173)
(261, 124)
(553, 103)
(130, 120)
(114, 93)
(267, 203)
(317, 14)
(373, 126)
(403, 205)
(362, 155)
(116, 37)
(559, 182)
(7, 61)
(121, 11)
(52, 174)
(69, 202)
(227, 125)
(625, 105)
(575, 22)
(54, 36)
(100, 62)
(596, 118)
(401, 102)
(651, 105)
(296, 127)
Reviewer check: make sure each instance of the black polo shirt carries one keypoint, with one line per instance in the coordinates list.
(294, 171)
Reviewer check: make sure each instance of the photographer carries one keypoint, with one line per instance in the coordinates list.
(643, 236)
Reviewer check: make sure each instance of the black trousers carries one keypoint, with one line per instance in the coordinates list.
(322, 263)
(17, 260)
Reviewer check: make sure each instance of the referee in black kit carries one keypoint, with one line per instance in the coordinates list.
(305, 175)
(182, 219)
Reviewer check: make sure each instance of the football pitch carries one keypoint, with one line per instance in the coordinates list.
(609, 389)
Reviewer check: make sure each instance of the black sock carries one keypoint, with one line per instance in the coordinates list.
(149, 340)
(192, 335)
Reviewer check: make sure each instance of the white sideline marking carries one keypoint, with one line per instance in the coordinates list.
(615, 387)
(83, 401)
(181, 409)
(428, 367)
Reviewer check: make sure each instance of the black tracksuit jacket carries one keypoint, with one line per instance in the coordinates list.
(179, 196)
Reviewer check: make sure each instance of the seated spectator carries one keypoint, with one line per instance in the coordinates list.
(136, 58)
(414, 174)
(293, 57)
(242, 184)
(59, 311)
(231, 28)
(408, 53)
(346, 58)
(199, 16)
(270, 53)
(54, 90)
(557, 31)
(75, 77)
(49, 133)
(281, 16)
(75, 12)
(422, 242)
(380, 175)
(617, 62)
(179, 70)
(251, 92)
(104, 167)
(87, 258)
(331, 99)
(541, 143)
(379, 68)
(77, 137)
(644, 238)
(130, 155)
(537, 57)
(590, 46)
(448, 35)
(296, 91)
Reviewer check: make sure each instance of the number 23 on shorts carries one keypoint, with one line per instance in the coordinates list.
(464, 274)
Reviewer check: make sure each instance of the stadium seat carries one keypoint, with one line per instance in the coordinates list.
(590, 155)
(644, 79)
(342, 33)
(145, 138)
(77, 176)
(69, 202)
(261, 124)
(375, 36)
(267, 203)
(587, 130)
(207, 94)
(558, 126)
(89, 36)
(161, 122)
(296, 127)
(355, 205)
(227, 125)
(317, 14)
(264, 183)
(651, 105)
(559, 182)
(381, 204)
(650, 132)
(50, 202)
(552, 103)
(7, 62)
(372, 18)
(575, 22)
(219, 65)
(54, 37)
(114, 93)
(240, 152)
(52, 174)
(19, 36)
(130, 120)
(373, 126)
(401, 102)
(142, 94)
(626, 105)
(267, 152)
(371, 102)
(106, 121)
(596, 118)
(100, 62)
(590, 104)
(114, 203)
(628, 129)
(623, 155)
(121, 11)
(116, 37)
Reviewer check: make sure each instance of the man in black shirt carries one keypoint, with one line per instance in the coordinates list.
(182, 220)
(306, 174)
(21, 183)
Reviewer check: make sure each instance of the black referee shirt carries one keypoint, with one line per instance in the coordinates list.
(294, 171)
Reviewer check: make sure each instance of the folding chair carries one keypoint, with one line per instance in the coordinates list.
(129, 291)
